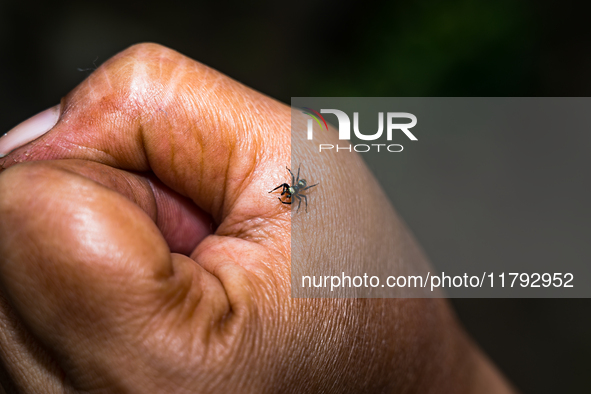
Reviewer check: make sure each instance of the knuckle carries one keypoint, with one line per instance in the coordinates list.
(148, 49)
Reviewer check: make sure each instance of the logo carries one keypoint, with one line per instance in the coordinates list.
(344, 123)
(310, 124)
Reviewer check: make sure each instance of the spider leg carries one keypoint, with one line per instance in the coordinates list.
(306, 188)
(298, 196)
(305, 199)
(283, 185)
(297, 180)
(292, 179)
(285, 202)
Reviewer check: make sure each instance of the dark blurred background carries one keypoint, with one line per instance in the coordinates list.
(345, 48)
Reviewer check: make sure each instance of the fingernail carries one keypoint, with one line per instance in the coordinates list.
(29, 130)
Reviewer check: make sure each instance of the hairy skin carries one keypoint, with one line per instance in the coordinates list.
(140, 252)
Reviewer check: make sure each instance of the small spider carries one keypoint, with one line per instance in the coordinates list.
(295, 190)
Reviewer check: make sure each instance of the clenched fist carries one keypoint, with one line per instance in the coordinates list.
(140, 252)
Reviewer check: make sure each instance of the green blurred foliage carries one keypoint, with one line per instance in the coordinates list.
(435, 48)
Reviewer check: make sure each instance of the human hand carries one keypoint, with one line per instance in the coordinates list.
(140, 251)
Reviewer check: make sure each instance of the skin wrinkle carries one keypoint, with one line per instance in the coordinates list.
(222, 213)
(183, 349)
(155, 204)
(239, 350)
(190, 355)
(250, 271)
(200, 145)
(244, 180)
(172, 150)
(131, 191)
(68, 145)
(244, 228)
